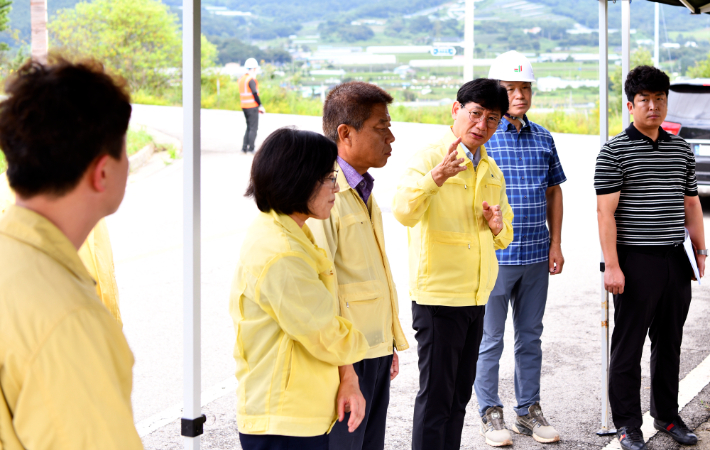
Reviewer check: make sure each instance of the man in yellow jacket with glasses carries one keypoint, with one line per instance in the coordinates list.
(355, 117)
(452, 197)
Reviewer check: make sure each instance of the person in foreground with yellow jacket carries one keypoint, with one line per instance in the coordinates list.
(95, 253)
(294, 353)
(66, 367)
(452, 198)
(355, 117)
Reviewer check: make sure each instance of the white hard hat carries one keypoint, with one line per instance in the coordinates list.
(511, 66)
(251, 64)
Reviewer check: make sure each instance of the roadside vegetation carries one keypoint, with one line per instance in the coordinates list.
(137, 139)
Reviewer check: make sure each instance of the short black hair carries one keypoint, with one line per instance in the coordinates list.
(486, 92)
(646, 78)
(57, 120)
(351, 104)
(288, 167)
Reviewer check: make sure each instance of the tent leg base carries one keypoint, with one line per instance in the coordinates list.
(606, 432)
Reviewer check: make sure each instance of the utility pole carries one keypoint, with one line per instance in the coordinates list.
(40, 37)
(468, 42)
(657, 33)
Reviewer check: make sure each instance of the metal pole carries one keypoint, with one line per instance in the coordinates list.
(468, 42)
(39, 35)
(191, 70)
(625, 55)
(656, 31)
(603, 136)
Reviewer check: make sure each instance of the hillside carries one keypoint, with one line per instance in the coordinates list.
(238, 27)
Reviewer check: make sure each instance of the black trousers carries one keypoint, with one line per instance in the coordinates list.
(252, 117)
(275, 442)
(448, 339)
(374, 378)
(656, 300)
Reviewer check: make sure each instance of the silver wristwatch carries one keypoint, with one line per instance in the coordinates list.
(702, 252)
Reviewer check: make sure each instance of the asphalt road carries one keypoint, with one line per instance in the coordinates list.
(147, 233)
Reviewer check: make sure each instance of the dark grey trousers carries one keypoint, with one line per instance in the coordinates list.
(655, 301)
(374, 378)
(448, 339)
(252, 117)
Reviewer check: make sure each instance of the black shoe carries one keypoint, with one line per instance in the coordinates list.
(631, 438)
(677, 430)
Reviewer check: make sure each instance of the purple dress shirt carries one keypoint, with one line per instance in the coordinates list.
(363, 184)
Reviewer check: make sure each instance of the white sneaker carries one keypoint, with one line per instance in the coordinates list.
(493, 428)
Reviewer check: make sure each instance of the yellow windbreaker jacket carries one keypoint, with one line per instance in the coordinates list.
(452, 260)
(354, 239)
(65, 366)
(290, 340)
(96, 254)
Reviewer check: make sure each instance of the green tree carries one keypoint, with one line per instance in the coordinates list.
(640, 57)
(5, 7)
(139, 40)
(701, 69)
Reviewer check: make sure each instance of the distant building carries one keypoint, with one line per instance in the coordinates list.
(401, 49)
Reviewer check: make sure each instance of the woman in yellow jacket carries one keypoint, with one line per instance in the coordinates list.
(294, 354)
(96, 254)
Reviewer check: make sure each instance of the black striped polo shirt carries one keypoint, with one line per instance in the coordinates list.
(654, 178)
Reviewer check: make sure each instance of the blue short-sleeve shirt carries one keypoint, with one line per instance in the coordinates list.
(530, 164)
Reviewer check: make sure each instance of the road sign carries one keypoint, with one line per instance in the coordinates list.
(443, 51)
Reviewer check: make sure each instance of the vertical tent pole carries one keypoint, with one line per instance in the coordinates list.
(468, 42)
(39, 36)
(603, 136)
(192, 418)
(625, 55)
(656, 34)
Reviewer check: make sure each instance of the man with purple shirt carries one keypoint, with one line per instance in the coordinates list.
(355, 116)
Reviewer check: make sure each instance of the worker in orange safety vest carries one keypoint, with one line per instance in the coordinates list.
(251, 103)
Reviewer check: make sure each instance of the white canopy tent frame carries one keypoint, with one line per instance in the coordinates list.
(193, 419)
(606, 429)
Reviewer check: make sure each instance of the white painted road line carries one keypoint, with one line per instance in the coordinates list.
(168, 415)
(690, 387)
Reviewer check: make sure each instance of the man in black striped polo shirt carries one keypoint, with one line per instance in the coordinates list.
(646, 195)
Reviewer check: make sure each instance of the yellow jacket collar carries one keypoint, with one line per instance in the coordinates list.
(35, 230)
(450, 137)
(305, 237)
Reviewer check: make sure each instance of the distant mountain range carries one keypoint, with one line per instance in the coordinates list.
(292, 14)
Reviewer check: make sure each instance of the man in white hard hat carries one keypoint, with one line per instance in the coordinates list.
(526, 154)
(251, 103)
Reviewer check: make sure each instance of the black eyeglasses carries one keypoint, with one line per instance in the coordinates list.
(477, 117)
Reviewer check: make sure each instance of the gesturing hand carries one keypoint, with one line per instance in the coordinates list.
(494, 217)
(449, 167)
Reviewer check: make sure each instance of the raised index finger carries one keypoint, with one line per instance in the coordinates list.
(454, 146)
